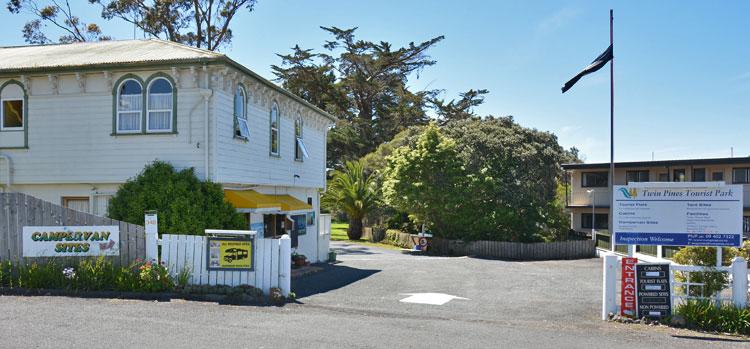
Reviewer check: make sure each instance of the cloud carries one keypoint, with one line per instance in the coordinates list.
(557, 20)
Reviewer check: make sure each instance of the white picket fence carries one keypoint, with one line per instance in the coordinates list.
(272, 262)
(736, 292)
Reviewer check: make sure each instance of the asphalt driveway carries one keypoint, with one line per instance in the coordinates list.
(357, 303)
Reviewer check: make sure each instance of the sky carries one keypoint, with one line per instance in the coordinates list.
(682, 68)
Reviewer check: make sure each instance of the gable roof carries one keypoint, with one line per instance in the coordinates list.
(116, 54)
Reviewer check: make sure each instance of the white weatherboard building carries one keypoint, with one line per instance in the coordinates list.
(78, 120)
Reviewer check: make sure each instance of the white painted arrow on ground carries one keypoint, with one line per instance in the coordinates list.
(429, 298)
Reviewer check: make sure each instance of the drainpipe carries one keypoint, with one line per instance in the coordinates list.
(206, 92)
(9, 164)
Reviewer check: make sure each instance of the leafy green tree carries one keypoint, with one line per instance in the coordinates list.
(203, 24)
(460, 109)
(185, 204)
(365, 83)
(353, 191)
(427, 181)
(57, 15)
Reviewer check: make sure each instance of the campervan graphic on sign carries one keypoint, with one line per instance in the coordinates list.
(230, 253)
(678, 214)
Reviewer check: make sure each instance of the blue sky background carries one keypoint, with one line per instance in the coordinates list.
(682, 69)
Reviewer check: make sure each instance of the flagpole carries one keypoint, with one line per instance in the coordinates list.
(612, 132)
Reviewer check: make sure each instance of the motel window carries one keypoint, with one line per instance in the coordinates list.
(746, 225)
(741, 175)
(699, 175)
(129, 106)
(241, 129)
(12, 110)
(274, 141)
(273, 225)
(602, 220)
(160, 106)
(77, 203)
(717, 176)
(300, 151)
(636, 176)
(678, 175)
(594, 179)
(664, 177)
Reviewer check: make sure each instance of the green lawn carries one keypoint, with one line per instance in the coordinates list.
(338, 233)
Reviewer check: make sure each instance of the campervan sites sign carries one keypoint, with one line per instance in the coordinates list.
(72, 241)
(678, 214)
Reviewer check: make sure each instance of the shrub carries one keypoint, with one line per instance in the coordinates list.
(703, 256)
(185, 204)
(392, 238)
(94, 275)
(705, 315)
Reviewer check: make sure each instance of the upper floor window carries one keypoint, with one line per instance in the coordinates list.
(699, 175)
(717, 176)
(12, 110)
(636, 176)
(241, 129)
(300, 151)
(741, 175)
(160, 106)
(275, 129)
(664, 177)
(129, 106)
(678, 175)
(594, 179)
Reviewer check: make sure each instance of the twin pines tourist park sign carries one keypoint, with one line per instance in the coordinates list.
(669, 214)
(678, 214)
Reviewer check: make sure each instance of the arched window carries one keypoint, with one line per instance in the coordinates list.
(275, 129)
(160, 106)
(300, 151)
(241, 129)
(129, 106)
(12, 109)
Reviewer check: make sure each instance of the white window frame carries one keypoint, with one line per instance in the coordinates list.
(298, 142)
(149, 110)
(276, 130)
(117, 105)
(241, 119)
(2, 114)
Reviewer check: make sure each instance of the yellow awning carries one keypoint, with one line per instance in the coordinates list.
(251, 199)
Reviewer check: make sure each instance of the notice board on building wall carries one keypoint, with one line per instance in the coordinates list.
(678, 214)
(654, 292)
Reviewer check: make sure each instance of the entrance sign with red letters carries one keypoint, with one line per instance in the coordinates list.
(628, 293)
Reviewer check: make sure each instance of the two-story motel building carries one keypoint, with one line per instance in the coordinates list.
(588, 195)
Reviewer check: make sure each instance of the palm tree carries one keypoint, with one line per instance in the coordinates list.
(353, 191)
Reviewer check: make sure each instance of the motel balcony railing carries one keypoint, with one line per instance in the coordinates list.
(582, 198)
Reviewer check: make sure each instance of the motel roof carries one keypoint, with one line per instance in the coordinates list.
(659, 163)
(118, 54)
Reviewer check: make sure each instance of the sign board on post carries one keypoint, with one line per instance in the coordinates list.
(151, 221)
(654, 293)
(678, 214)
(230, 253)
(71, 241)
(628, 291)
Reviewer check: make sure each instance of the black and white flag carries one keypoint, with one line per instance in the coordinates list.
(597, 64)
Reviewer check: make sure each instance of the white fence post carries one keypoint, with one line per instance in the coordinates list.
(285, 265)
(152, 236)
(739, 282)
(609, 287)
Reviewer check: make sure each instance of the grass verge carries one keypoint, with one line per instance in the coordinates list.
(338, 233)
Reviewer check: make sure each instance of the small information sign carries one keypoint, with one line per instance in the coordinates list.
(230, 253)
(627, 300)
(654, 293)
